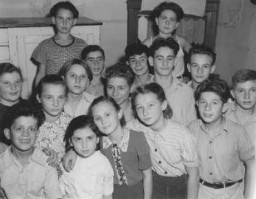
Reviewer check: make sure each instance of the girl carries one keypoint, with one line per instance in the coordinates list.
(92, 176)
(51, 93)
(171, 144)
(77, 76)
(10, 92)
(126, 150)
(166, 17)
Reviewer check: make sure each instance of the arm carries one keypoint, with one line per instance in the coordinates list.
(249, 180)
(193, 179)
(69, 160)
(147, 183)
(53, 159)
(41, 72)
(185, 44)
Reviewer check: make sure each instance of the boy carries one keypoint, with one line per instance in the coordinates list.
(94, 57)
(243, 110)
(118, 80)
(201, 64)
(224, 147)
(24, 172)
(179, 95)
(137, 56)
(52, 53)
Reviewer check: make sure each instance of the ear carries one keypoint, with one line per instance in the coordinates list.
(120, 114)
(97, 140)
(151, 61)
(232, 93)
(127, 63)
(53, 20)
(189, 67)
(7, 133)
(177, 24)
(164, 105)
(74, 21)
(38, 98)
(70, 142)
(156, 20)
(213, 69)
(225, 107)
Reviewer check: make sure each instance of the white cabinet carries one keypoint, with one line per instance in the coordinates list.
(19, 37)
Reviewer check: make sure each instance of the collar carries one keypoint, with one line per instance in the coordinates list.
(224, 127)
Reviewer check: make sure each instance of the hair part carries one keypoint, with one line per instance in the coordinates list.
(91, 48)
(68, 64)
(80, 122)
(64, 5)
(218, 86)
(109, 100)
(242, 76)
(155, 89)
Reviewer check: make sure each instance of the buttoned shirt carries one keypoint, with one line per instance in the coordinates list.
(222, 152)
(172, 149)
(36, 180)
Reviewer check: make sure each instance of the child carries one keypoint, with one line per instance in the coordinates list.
(201, 64)
(52, 53)
(51, 93)
(180, 96)
(94, 57)
(77, 76)
(24, 172)
(166, 17)
(137, 55)
(223, 146)
(92, 175)
(243, 109)
(10, 91)
(118, 80)
(171, 145)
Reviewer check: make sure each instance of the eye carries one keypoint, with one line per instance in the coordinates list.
(90, 60)
(170, 58)
(90, 138)
(201, 102)
(62, 97)
(239, 90)
(100, 59)
(32, 129)
(194, 66)
(253, 89)
(173, 19)
(47, 97)
(143, 59)
(138, 108)
(96, 119)
(163, 17)
(207, 66)
(72, 75)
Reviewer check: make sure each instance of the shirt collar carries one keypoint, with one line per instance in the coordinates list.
(224, 129)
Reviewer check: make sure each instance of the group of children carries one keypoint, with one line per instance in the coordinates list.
(123, 132)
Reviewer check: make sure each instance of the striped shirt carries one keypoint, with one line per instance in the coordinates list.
(171, 149)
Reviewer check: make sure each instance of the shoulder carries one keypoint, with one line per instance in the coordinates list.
(234, 127)
(177, 127)
(183, 87)
(79, 40)
(185, 44)
(88, 96)
(46, 42)
(148, 42)
(3, 147)
(40, 157)
(64, 118)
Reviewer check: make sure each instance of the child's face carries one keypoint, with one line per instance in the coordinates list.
(163, 61)
(23, 133)
(10, 88)
(64, 21)
(167, 22)
(245, 94)
(210, 107)
(77, 79)
(52, 99)
(149, 109)
(95, 61)
(118, 89)
(200, 67)
(106, 117)
(84, 141)
(139, 64)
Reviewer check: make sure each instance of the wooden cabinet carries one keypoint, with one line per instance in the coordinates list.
(19, 37)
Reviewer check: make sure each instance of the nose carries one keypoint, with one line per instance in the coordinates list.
(84, 143)
(65, 21)
(13, 86)
(208, 106)
(200, 70)
(165, 62)
(77, 79)
(25, 133)
(247, 94)
(145, 111)
(115, 92)
(56, 102)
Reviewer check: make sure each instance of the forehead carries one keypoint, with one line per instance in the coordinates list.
(64, 12)
(94, 54)
(102, 107)
(209, 96)
(201, 58)
(117, 81)
(138, 56)
(53, 89)
(143, 98)
(169, 13)
(164, 51)
(77, 68)
(247, 84)
(12, 75)
(83, 132)
(25, 120)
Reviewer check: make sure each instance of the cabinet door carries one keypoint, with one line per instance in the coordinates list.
(23, 41)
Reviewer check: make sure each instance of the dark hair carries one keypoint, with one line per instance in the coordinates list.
(91, 48)
(136, 49)
(68, 64)
(202, 50)
(64, 5)
(155, 89)
(9, 68)
(119, 70)
(79, 122)
(165, 6)
(109, 100)
(217, 86)
(23, 108)
(161, 42)
(50, 79)
(242, 76)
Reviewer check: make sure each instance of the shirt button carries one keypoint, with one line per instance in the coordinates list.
(159, 162)
(165, 172)
(210, 173)
(210, 157)
(155, 150)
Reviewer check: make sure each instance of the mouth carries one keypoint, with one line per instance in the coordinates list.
(13, 93)
(25, 141)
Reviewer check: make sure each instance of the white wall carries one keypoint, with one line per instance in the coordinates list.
(113, 14)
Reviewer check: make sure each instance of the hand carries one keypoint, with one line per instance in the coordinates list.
(53, 159)
(69, 160)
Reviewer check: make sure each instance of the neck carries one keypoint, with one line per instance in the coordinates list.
(216, 125)
(160, 124)
(164, 81)
(245, 112)
(50, 118)
(116, 135)
(9, 103)
(22, 156)
(142, 78)
(125, 104)
(194, 85)
(61, 36)
(74, 97)
(165, 35)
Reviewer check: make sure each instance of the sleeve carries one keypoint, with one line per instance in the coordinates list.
(52, 188)
(108, 179)
(143, 151)
(189, 150)
(39, 53)
(245, 146)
